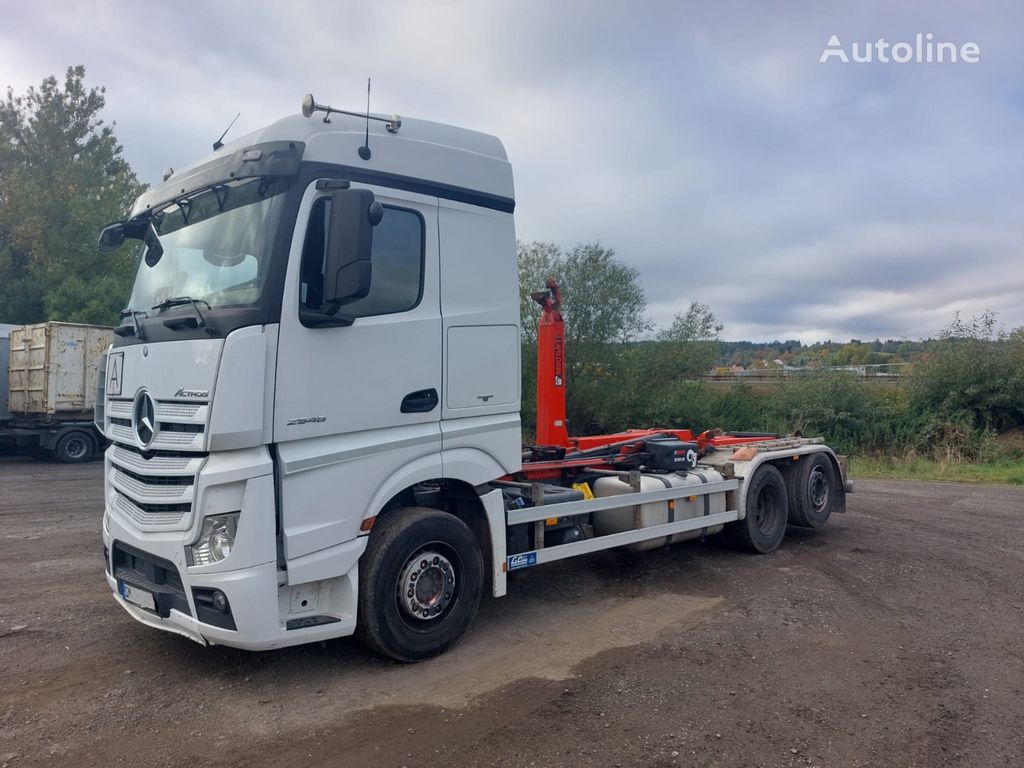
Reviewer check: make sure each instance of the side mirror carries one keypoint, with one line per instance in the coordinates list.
(112, 236)
(354, 213)
(154, 250)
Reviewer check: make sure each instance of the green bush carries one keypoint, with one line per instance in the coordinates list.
(975, 377)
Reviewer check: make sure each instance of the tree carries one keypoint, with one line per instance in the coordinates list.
(603, 301)
(974, 377)
(603, 306)
(689, 346)
(62, 177)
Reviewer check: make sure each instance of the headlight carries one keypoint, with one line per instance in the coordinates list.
(216, 539)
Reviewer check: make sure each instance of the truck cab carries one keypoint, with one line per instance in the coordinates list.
(268, 396)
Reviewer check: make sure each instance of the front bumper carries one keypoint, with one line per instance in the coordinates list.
(246, 589)
(263, 608)
(264, 611)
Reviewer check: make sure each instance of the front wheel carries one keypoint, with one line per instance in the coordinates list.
(74, 447)
(421, 585)
(764, 525)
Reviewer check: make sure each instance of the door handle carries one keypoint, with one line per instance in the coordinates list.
(422, 401)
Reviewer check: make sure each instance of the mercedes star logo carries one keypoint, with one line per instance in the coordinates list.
(144, 419)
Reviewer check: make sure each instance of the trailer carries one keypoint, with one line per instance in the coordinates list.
(313, 403)
(48, 389)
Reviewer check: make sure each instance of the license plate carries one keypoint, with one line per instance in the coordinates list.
(136, 596)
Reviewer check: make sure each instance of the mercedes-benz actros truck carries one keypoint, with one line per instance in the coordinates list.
(313, 403)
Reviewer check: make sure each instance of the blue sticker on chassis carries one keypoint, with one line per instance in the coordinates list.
(522, 560)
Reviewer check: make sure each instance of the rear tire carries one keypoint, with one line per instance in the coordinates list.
(811, 484)
(421, 584)
(764, 525)
(74, 447)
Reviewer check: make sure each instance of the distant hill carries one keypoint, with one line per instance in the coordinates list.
(791, 353)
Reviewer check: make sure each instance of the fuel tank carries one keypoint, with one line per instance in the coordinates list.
(659, 513)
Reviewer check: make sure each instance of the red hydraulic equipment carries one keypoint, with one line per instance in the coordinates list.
(551, 367)
(556, 455)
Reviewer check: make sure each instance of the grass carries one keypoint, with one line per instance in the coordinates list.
(998, 472)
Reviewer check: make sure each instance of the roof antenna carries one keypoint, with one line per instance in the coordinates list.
(364, 151)
(220, 142)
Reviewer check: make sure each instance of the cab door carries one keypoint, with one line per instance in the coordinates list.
(354, 404)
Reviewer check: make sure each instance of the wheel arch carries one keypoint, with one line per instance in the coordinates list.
(457, 491)
(783, 461)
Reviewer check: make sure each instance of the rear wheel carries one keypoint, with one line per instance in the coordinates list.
(811, 484)
(421, 584)
(764, 525)
(74, 447)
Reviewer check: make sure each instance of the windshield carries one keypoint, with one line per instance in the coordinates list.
(216, 246)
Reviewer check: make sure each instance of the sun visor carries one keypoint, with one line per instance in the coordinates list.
(271, 158)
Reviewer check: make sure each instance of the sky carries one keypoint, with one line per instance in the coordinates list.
(703, 141)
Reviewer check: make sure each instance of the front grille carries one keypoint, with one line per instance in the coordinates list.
(180, 426)
(168, 480)
(155, 490)
(194, 429)
(168, 489)
(164, 410)
(154, 517)
(176, 410)
(170, 437)
(120, 408)
(119, 432)
(151, 573)
(156, 463)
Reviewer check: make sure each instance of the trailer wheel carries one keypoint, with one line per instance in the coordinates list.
(74, 447)
(764, 525)
(811, 484)
(421, 585)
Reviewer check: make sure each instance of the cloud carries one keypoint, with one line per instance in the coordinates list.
(705, 142)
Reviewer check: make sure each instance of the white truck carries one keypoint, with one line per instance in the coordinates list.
(47, 385)
(313, 403)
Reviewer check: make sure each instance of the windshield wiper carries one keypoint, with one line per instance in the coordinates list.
(186, 322)
(135, 327)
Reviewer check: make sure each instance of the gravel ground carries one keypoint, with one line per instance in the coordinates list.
(891, 638)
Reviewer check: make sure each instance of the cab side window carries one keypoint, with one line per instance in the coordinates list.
(397, 272)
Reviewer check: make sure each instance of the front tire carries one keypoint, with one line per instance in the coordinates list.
(421, 585)
(764, 525)
(74, 447)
